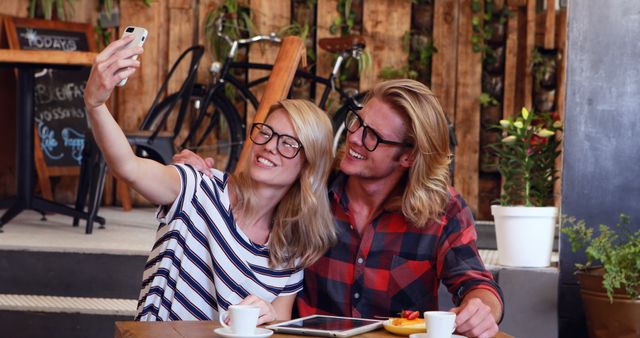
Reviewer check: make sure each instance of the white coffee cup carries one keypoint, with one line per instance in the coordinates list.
(244, 319)
(440, 324)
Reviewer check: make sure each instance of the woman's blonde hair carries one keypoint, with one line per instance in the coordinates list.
(427, 189)
(303, 227)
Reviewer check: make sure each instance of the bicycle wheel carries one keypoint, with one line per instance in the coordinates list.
(160, 114)
(220, 134)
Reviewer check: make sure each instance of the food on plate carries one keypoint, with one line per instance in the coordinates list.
(408, 318)
(407, 322)
(408, 314)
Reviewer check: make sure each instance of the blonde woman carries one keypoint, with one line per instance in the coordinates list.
(225, 239)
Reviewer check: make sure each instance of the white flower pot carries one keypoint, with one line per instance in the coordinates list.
(524, 235)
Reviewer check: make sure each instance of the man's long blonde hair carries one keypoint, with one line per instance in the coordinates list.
(303, 227)
(426, 194)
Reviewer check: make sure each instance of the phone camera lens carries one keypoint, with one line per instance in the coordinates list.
(129, 29)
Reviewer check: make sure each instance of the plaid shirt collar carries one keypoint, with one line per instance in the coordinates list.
(337, 191)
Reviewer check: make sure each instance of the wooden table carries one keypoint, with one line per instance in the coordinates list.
(26, 62)
(196, 329)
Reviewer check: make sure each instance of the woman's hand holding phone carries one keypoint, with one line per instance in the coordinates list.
(113, 65)
(140, 35)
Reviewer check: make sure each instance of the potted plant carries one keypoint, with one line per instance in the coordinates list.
(524, 222)
(611, 290)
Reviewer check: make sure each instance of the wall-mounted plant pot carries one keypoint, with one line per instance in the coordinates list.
(498, 33)
(544, 99)
(422, 17)
(488, 137)
(547, 76)
(524, 235)
(495, 64)
(301, 88)
(490, 115)
(302, 13)
(492, 85)
(604, 318)
(488, 159)
(424, 73)
(420, 40)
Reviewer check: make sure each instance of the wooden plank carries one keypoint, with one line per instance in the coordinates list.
(14, 8)
(284, 68)
(540, 21)
(268, 16)
(385, 44)
(510, 64)
(83, 12)
(521, 65)
(47, 57)
(550, 25)
(561, 72)
(561, 86)
(327, 13)
(181, 36)
(467, 115)
(529, 46)
(445, 38)
(135, 98)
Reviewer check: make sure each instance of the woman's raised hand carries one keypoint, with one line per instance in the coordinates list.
(201, 164)
(112, 65)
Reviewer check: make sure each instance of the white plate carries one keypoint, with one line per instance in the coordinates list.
(226, 333)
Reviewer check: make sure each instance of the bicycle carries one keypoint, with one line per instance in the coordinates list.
(217, 128)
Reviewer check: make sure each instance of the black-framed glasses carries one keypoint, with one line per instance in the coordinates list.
(370, 137)
(287, 146)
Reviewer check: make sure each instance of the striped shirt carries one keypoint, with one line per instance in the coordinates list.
(201, 261)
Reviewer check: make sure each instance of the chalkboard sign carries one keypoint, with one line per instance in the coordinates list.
(59, 115)
(59, 112)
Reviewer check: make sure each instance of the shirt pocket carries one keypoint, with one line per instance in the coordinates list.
(412, 283)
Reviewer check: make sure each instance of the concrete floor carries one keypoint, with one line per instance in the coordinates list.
(125, 232)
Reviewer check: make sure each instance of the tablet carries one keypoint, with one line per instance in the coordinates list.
(327, 326)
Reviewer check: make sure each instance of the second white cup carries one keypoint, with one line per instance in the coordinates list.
(440, 324)
(244, 319)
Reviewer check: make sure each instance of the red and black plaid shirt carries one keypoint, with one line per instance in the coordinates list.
(394, 266)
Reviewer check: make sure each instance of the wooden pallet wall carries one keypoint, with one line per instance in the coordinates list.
(456, 70)
(385, 22)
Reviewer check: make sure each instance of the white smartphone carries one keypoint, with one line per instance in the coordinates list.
(140, 36)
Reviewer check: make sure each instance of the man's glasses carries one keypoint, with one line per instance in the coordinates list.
(370, 138)
(287, 146)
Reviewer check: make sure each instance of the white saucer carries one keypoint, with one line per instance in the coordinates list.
(259, 333)
(421, 335)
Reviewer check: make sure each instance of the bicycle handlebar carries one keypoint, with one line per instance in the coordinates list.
(273, 37)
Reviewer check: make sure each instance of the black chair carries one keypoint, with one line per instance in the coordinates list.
(150, 140)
